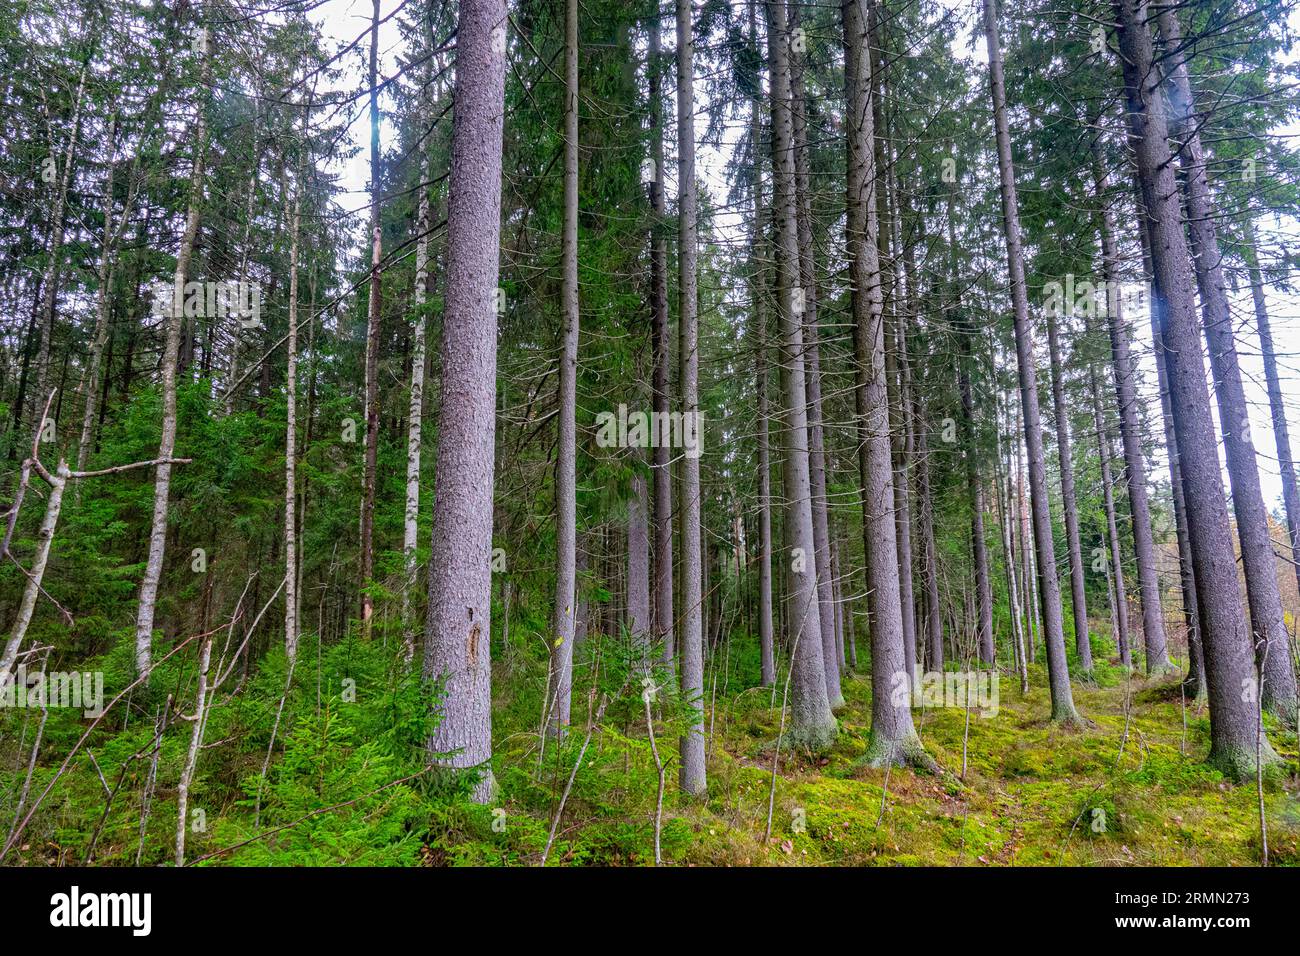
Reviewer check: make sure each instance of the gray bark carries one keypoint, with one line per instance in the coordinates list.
(1078, 596)
(1119, 604)
(560, 684)
(1258, 560)
(1229, 660)
(370, 462)
(638, 567)
(457, 629)
(692, 775)
(1153, 621)
(1049, 587)
(1194, 682)
(893, 736)
(1277, 409)
(759, 318)
(812, 726)
(660, 344)
(812, 358)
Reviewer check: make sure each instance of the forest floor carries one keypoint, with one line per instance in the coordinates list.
(1133, 790)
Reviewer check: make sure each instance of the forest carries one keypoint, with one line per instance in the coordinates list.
(717, 433)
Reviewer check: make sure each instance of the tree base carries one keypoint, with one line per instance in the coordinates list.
(1160, 668)
(895, 752)
(1239, 763)
(1070, 720)
(813, 739)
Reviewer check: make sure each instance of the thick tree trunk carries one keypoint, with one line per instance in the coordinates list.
(1048, 586)
(1194, 681)
(812, 358)
(899, 433)
(692, 775)
(458, 626)
(1257, 557)
(1229, 660)
(893, 737)
(812, 725)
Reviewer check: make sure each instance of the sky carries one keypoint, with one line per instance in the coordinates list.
(343, 20)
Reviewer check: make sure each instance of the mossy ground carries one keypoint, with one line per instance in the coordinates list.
(1033, 793)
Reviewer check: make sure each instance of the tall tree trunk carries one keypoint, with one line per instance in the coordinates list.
(893, 736)
(370, 465)
(1257, 557)
(1229, 661)
(1078, 596)
(661, 346)
(812, 358)
(638, 568)
(1153, 621)
(899, 432)
(975, 491)
(758, 306)
(1049, 588)
(415, 416)
(1277, 409)
(171, 350)
(924, 512)
(1116, 575)
(974, 483)
(290, 440)
(560, 685)
(692, 775)
(812, 725)
(458, 625)
(1194, 682)
(1005, 521)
